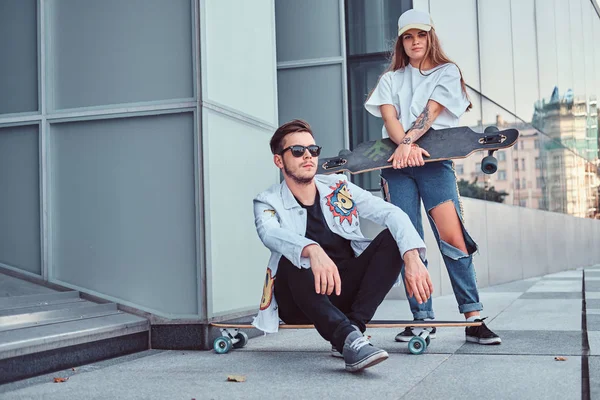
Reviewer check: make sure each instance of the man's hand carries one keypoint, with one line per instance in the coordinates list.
(416, 277)
(327, 277)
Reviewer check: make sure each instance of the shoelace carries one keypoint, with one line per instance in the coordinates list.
(359, 343)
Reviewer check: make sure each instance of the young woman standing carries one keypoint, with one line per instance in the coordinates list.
(422, 88)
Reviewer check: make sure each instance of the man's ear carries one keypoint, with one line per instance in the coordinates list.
(278, 161)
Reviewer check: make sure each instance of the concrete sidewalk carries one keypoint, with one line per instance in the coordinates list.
(538, 320)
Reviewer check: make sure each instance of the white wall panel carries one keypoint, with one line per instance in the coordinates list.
(236, 258)
(238, 56)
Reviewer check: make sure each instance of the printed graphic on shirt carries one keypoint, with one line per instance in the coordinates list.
(267, 296)
(341, 204)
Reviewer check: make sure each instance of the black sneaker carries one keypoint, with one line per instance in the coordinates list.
(359, 353)
(481, 334)
(410, 332)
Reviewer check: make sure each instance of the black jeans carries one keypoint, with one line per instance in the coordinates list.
(366, 280)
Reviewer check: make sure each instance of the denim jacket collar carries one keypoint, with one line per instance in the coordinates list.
(289, 201)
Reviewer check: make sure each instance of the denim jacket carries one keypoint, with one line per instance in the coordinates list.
(281, 225)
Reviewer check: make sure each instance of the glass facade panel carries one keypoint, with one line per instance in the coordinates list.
(525, 61)
(122, 204)
(372, 25)
(303, 92)
(303, 33)
(19, 50)
(113, 51)
(20, 245)
(497, 77)
(563, 43)
(546, 46)
(459, 41)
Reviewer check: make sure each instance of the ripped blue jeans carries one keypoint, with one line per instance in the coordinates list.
(434, 184)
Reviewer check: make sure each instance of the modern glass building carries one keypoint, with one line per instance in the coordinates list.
(134, 135)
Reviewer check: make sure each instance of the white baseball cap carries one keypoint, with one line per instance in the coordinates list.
(414, 19)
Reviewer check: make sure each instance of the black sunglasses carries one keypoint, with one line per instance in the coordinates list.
(298, 151)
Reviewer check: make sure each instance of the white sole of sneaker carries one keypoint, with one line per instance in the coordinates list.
(370, 361)
(337, 354)
(472, 339)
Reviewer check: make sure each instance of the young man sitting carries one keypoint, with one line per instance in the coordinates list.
(322, 270)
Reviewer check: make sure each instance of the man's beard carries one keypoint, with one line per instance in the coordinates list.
(298, 179)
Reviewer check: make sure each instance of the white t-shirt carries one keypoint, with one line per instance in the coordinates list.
(409, 91)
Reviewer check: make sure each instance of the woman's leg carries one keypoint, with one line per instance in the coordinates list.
(401, 190)
(438, 188)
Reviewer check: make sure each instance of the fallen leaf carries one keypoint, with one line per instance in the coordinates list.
(60, 380)
(560, 358)
(236, 378)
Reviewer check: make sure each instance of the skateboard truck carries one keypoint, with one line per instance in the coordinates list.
(334, 163)
(492, 139)
(489, 164)
(338, 161)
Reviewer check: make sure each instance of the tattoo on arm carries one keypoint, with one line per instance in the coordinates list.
(419, 127)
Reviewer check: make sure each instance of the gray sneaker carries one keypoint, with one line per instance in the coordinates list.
(334, 352)
(359, 353)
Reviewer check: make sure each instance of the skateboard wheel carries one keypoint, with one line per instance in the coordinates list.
(417, 345)
(222, 345)
(489, 165)
(491, 129)
(344, 152)
(242, 340)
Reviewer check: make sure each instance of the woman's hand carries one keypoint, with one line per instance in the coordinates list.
(399, 158)
(408, 156)
(415, 158)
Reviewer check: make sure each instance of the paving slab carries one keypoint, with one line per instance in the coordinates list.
(594, 341)
(517, 286)
(593, 322)
(551, 295)
(553, 285)
(203, 375)
(592, 286)
(565, 274)
(551, 343)
(592, 304)
(547, 315)
(501, 377)
(594, 366)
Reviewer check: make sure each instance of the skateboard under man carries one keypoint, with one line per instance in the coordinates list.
(233, 337)
(441, 144)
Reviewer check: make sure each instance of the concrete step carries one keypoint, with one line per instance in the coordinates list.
(18, 342)
(32, 300)
(48, 306)
(42, 333)
(55, 314)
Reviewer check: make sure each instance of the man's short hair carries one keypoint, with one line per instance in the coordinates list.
(293, 126)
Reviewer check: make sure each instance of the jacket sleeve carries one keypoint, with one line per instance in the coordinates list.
(278, 239)
(386, 214)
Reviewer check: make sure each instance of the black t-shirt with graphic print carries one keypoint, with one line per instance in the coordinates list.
(336, 247)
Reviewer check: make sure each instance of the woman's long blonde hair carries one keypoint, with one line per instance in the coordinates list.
(434, 53)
